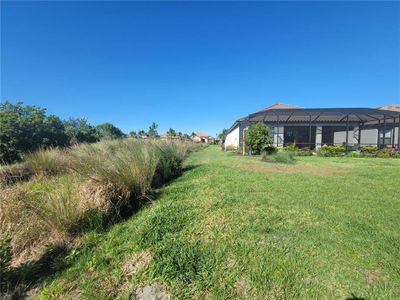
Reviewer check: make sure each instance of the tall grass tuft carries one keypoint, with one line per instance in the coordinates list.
(102, 181)
(128, 165)
(286, 157)
(10, 174)
(46, 162)
(56, 203)
(170, 164)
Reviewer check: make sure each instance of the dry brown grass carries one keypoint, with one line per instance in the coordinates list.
(95, 195)
(35, 217)
(137, 262)
(54, 195)
(242, 285)
(10, 174)
(28, 233)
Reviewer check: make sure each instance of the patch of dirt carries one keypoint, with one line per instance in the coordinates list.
(242, 285)
(150, 292)
(137, 262)
(231, 263)
(373, 277)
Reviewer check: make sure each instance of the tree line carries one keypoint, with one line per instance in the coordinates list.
(26, 128)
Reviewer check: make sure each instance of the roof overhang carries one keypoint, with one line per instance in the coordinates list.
(325, 115)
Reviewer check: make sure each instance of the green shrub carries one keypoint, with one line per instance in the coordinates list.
(385, 153)
(285, 157)
(355, 154)
(331, 151)
(5, 261)
(303, 152)
(369, 149)
(297, 151)
(269, 149)
(372, 151)
(257, 136)
(290, 147)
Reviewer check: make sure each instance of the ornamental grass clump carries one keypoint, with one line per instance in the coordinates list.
(83, 188)
(283, 157)
(46, 162)
(171, 156)
(10, 174)
(128, 166)
(55, 203)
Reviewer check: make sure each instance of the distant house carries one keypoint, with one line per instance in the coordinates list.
(315, 127)
(165, 136)
(202, 137)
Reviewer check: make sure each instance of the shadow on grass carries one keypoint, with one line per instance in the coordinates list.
(25, 279)
(28, 275)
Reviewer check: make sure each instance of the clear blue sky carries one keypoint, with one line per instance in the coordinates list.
(197, 66)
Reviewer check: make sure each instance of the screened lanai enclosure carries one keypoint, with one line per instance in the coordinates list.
(315, 127)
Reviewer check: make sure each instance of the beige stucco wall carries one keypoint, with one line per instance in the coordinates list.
(232, 139)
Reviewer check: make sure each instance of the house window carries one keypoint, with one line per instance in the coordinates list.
(388, 137)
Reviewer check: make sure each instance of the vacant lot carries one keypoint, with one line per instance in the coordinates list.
(236, 227)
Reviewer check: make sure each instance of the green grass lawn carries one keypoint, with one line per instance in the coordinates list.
(237, 227)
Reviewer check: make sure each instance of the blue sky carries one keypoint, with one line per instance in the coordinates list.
(197, 66)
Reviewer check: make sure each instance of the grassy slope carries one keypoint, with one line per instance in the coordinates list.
(236, 227)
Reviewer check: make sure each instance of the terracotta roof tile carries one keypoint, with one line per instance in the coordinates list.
(394, 107)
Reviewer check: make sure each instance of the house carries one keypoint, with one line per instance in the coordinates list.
(165, 136)
(315, 127)
(202, 137)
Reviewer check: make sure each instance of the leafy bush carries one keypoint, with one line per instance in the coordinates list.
(290, 147)
(285, 157)
(372, 151)
(331, 151)
(269, 149)
(303, 152)
(80, 131)
(109, 131)
(257, 136)
(385, 153)
(26, 128)
(297, 151)
(355, 154)
(369, 149)
(5, 260)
